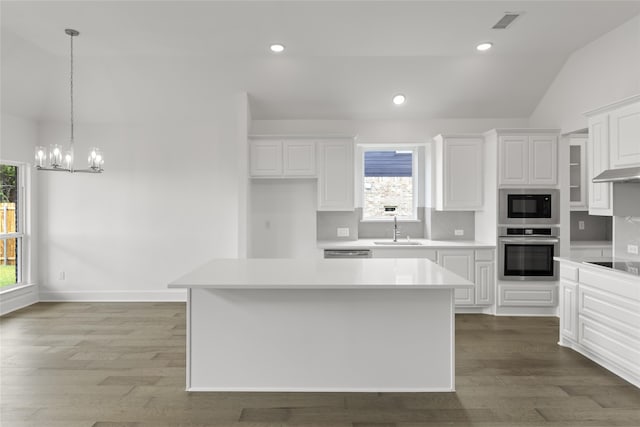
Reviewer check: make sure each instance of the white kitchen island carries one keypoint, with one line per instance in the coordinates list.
(369, 325)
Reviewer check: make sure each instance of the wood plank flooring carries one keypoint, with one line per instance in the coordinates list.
(123, 364)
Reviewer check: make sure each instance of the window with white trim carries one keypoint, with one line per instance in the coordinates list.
(389, 183)
(11, 224)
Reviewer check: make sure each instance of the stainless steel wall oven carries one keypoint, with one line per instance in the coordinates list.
(526, 253)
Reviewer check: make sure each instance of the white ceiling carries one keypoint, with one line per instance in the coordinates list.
(344, 60)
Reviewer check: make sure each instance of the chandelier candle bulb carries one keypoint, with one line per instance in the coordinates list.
(41, 156)
(55, 156)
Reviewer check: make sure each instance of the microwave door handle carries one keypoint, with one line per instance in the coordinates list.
(540, 241)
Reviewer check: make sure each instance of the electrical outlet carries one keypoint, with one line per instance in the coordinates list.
(343, 231)
(580, 225)
(632, 249)
(458, 232)
(62, 275)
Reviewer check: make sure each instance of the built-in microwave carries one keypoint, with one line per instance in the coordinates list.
(528, 206)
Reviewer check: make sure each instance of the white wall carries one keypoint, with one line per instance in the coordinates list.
(166, 203)
(283, 218)
(602, 72)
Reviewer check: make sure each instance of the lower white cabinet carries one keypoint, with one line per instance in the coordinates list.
(477, 266)
(600, 317)
(568, 309)
(527, 294)
(460, 261)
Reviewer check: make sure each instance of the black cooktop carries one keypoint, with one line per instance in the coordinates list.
(632, 267)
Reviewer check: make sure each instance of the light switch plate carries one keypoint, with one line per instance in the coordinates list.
(343, 231)
(458, 232)
(580, 225)
(632, 249)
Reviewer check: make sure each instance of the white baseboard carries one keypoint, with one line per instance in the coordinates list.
(17, 298)
(168, 295)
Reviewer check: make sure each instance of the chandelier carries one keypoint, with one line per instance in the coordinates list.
(55, 159)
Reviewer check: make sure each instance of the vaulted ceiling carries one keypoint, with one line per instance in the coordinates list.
(343, 60)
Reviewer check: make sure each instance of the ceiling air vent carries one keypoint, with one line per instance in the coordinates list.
(505, 21)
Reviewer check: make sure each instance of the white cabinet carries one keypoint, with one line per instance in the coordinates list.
(282, 158)
(528, 159)
(578, 173)
(514, 164)
(543, 160)
(458, 163)
(335, 175)
(624, 125)
(461, 262)
(600, 194)
(568, 309)
(600, 317)
(476, 266)
(299, 158)
(265, 158)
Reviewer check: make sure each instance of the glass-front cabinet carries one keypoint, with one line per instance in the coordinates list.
(578, 173)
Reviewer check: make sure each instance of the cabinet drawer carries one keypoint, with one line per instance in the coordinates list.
(527, 295)
(622, 349)
(484, 255)
(568, 272)
(610, 283)
(609, 309)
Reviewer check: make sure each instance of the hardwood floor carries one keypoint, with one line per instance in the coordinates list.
(122, 364)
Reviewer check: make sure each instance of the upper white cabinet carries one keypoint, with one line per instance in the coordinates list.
(265, 158)
(624, 124)
(299, 158)
(458, 165)
(272, 158)
(600, 195)
(528, 157)
(335, 175)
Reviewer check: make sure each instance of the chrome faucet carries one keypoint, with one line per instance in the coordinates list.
(395, 228)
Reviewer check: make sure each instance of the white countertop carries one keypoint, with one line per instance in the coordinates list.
(575, 244)
(369, 273)
(425, 243)
(582, 262)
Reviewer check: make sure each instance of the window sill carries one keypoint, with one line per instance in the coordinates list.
(14, 288)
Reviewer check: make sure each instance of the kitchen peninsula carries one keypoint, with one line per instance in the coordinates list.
(320, 325)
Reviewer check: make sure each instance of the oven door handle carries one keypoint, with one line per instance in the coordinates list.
(523, 241)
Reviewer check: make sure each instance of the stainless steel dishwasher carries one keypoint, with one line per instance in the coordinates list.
(347, 253)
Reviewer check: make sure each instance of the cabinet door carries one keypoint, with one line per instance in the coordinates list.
(462, 174)
(514, 166)
(600, 194)
(578, 174)
(266, 158)
(460, 262)
(335, 176)
(568, 309)
(299, 158)
(543, 160)
(625, 136)
(485, 282)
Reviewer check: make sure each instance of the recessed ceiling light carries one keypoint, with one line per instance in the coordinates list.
(482, 47)
(277, 48)
(399, 99)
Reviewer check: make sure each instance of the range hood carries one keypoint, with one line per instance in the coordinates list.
(619, 175)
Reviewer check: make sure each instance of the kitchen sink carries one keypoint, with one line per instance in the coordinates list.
(398, 243)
